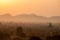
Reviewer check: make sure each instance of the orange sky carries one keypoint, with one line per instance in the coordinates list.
(39, 7)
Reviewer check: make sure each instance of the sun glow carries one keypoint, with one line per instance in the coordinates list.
(6, 1)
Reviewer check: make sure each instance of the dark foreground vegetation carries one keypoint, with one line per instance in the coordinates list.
(29, 31)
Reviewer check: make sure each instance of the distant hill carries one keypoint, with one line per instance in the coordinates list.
(28, 18)
(5, 17)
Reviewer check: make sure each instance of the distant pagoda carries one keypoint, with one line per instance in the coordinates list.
(49, 30)
(50, 25)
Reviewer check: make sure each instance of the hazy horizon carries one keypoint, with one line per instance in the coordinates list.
(40, 7)
(27, 14)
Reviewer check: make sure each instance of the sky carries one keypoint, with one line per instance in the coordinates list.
(39, 7)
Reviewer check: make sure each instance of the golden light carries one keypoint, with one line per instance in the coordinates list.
(5, 1)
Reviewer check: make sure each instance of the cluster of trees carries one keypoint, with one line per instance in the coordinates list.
(17, 33)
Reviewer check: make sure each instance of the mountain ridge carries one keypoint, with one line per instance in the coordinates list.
(28, 18)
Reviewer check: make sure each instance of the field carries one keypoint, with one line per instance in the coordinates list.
(24, 31)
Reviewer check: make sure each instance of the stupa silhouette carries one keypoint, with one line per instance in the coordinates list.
(50, 25)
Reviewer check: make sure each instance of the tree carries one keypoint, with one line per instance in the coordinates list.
(19, 32)
(4, 36)
(34, 38)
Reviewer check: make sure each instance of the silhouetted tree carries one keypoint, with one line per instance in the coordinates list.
(35, 38)
(50, 25)
(19, 32)
(56, 37)
(17, 39)
(48, 38)
(4, 36)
